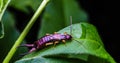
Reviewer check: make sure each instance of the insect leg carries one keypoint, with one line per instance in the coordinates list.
(55, 42)
(65, 33)
(64, 42)
(48, 43)
(47, 34)
(55, 32)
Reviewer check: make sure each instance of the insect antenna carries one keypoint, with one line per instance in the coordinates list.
(80, 43)
(71, 25)
(71, 33)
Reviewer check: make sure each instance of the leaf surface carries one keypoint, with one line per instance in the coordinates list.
(3, 6)
(85, 46)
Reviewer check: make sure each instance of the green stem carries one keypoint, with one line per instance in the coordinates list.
(25, 31)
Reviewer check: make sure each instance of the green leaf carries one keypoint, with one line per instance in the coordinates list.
(85, 47)
(25, 5)
(11, 34)
(3, 6)
(1, 30)
(57, 15)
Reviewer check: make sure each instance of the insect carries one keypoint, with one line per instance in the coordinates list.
(48, 39)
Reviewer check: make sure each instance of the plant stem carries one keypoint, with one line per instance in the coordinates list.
(25, 31)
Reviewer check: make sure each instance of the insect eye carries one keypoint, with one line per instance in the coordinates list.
(67, 37)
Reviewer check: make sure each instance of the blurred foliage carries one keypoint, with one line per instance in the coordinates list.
(3, 6)
(11, 34)
(24, 5)
(55, 17)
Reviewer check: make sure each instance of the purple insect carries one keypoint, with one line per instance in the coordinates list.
(49, 39)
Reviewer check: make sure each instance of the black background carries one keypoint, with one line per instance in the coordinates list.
(102, 14)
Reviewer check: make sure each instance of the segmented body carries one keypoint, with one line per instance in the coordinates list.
(48, 40)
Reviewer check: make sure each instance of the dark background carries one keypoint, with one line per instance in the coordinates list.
(102, 14)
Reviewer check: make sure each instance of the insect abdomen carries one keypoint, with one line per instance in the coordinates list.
(42, 41)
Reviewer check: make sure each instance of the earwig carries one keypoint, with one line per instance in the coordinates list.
(50, 39)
